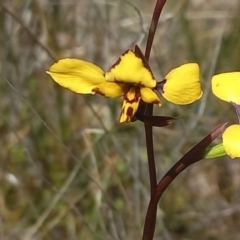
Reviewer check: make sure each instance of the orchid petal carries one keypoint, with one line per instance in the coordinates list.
(226, 86)
(130, 69)
(111, 89)
(149, 96)
(182, 85)
(77, 75)
(231, 140)
(130, 104)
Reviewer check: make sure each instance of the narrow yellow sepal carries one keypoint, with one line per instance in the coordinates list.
(182, 84)
(149, 96)
(111, 89)
(130, 105)
(226, 86)
(231, 140)
(77, 75)
(130, 69)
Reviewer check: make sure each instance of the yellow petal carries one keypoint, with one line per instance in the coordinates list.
(182, 84)
(111, 89)
(149, 96)
(231, 140)
(130, 104)
(226, 86)
(77, 75)
(130, 69)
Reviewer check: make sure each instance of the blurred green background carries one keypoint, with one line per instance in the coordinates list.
(68, 169)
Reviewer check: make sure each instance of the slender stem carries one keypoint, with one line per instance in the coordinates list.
(150, 221)
(194, 155)
(237, 108)
(148, 129)
(156, 14)
(151, 159)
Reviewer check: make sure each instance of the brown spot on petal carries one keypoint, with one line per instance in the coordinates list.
(125, 114)
(157, 102)
(97, 91)
(135, 98)
(129, 112)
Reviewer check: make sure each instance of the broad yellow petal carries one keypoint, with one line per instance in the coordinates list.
(77, 75)
(182, 84)
(226, 86)
(111, 89)
(130, 104)
(149, 96)
(130, 69)
(231, 140)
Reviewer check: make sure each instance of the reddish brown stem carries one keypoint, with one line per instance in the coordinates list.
(151, 159)
(151, 216)
(148, 129)
(194, 155)
(156, 14)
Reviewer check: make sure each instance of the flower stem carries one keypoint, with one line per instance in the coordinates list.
(237, 108)
(151, 214)
(148, 129)
(194, 155)
(151, 159)
(150, 222)
(156, 14)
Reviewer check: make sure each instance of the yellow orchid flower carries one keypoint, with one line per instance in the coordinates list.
(129, 77)
(226, 86)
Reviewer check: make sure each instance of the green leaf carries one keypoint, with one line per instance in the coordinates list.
(215, 151)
